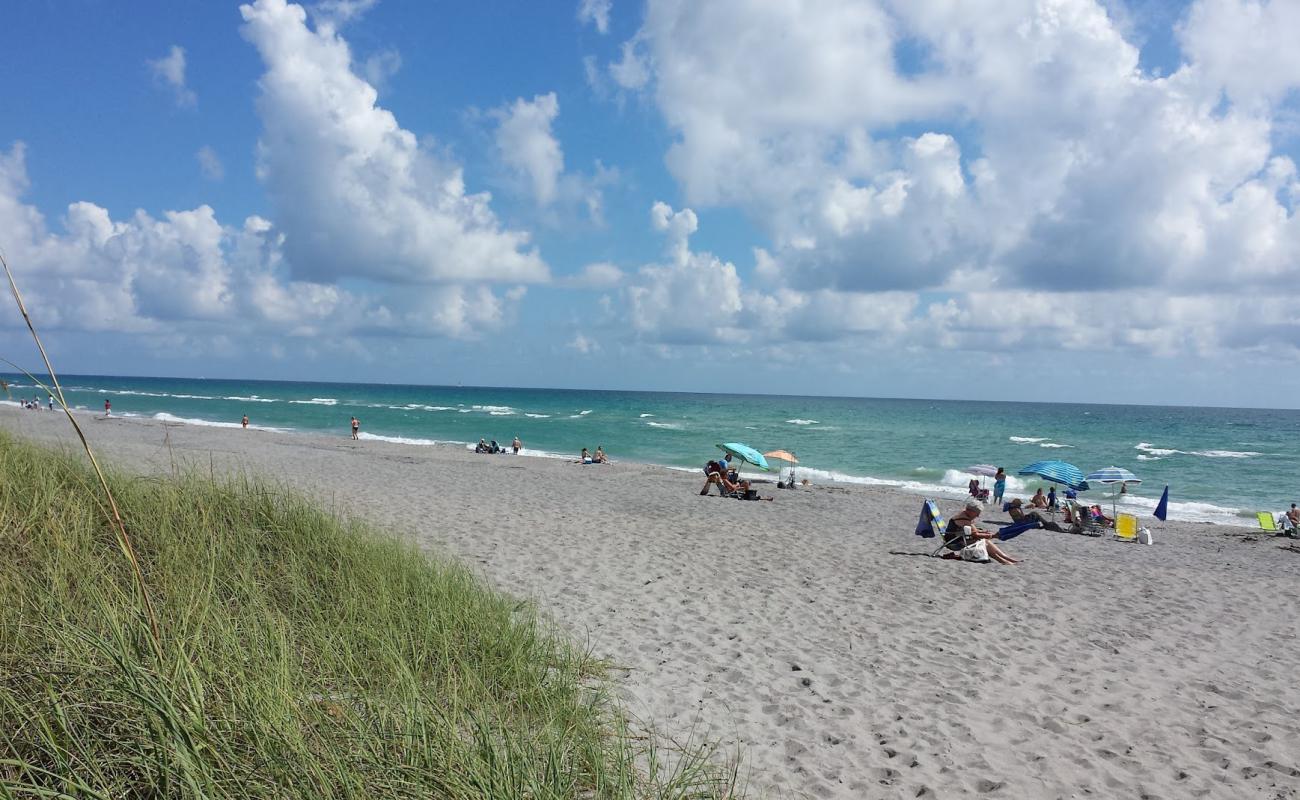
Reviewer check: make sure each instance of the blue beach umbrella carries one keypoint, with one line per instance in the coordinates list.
(1111, 475)
(1060, 472)
(745, 453)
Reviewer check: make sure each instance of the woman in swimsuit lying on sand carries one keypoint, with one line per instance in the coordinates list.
(967, 516)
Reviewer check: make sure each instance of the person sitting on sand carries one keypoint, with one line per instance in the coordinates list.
(481, 447)
(1018, 514)
(1039, 499)
(967, 517)
(585, 458)
(1294, 516)
(600, 457)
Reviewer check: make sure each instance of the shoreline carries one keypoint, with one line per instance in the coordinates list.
(1182, 510)
(816, 636)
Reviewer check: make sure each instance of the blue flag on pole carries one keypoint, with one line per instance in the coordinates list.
(1162, 508)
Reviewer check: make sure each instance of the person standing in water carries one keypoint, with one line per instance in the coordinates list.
(245, 422)
(356, 427)
(516, 445)
(108, 407)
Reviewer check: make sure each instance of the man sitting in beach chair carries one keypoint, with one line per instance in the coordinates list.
(959, 532)
(963, 532)
(715, 472)
(975, 491)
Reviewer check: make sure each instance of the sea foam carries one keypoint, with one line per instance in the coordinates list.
(163, 416)
(375, 437)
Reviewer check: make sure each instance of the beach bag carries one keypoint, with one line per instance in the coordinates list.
(977, 552)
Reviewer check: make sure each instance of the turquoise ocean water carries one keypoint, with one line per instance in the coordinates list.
(1221, 464)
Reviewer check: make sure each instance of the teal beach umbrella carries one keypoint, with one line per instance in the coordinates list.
(745, 453)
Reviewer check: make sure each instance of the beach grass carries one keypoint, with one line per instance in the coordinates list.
(299, 656)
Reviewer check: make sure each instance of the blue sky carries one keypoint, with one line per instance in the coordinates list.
(1041, 199)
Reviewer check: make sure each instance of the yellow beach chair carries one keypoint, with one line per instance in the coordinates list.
(1126, 528)
(1267, 523)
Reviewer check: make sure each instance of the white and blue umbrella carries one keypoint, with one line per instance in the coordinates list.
(1112, 475)
(1060, 472)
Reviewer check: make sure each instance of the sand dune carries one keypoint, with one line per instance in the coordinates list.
(814, 633)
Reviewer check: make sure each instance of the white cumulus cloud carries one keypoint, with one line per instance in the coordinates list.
(595, 12)
(170, 72)
(527, 145)
(210, 163)
(355, 194)
(891, 149)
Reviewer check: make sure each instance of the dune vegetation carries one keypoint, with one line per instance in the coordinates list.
(297, 655)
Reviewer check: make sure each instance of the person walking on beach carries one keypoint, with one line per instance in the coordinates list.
(356, 428)
(51, 399)
(108, 407)
(245, 422)
(516, 445)
(999, 485)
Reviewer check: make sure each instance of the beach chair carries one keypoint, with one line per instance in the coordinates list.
(1278, 526)
(1126, 528)
(1084, 519)
(932, 524)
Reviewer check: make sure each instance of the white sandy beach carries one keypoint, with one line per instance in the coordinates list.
(815, 635)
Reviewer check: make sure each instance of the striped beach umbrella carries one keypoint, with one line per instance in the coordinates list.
(1061, 472)
(1113, 475)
